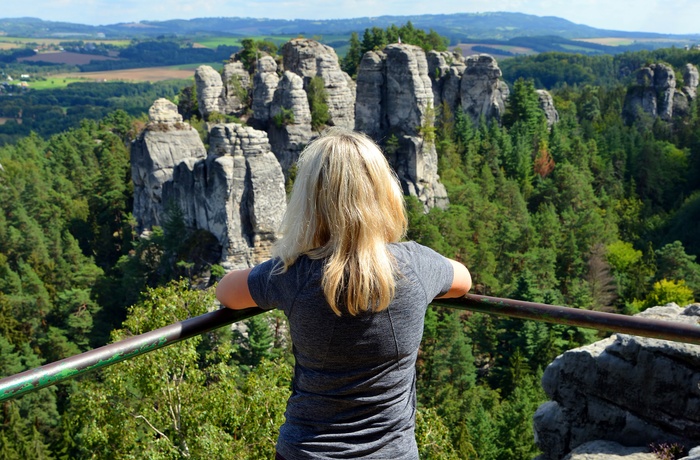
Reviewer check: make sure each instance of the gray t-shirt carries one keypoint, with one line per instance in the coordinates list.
(354, 387)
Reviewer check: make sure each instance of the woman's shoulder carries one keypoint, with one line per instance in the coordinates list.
(411, 248)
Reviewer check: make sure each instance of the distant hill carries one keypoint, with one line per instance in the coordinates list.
(457, 27)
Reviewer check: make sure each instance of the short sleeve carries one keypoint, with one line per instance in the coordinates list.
(434, 270)
(263, 292)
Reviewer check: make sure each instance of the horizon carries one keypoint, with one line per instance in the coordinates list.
(623, 15)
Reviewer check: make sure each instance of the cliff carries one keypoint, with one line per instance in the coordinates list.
(622, 394)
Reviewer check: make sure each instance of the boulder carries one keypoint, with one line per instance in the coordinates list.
(165, 143)
(606, 450)
(626, 389)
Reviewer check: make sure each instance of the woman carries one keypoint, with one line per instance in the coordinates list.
(355, 298)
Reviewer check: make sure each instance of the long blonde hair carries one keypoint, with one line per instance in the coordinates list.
(346, 205)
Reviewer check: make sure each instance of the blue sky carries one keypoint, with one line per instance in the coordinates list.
(679, 16)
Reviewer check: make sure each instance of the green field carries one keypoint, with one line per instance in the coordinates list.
(52, 83)
(213, 42)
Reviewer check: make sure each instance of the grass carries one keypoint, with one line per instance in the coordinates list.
(52, 83)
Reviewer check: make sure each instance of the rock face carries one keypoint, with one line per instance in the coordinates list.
(482, 92)
(396, 100)
(235, 192)
(655, 93)
(165, 143)
(308, 59)
(547, 106)
(626, 389)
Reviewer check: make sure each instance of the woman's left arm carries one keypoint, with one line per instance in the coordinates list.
(233, 292)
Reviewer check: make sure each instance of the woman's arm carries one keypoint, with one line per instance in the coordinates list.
(232, 291)
(461, 281)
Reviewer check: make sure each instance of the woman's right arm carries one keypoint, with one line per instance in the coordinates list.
(461, 281)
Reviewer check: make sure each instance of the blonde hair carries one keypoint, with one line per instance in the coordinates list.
(346, 205)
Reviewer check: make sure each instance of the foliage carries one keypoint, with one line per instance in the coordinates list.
(250, 50)
(283, 118)
(318, 103)
(184, 400)
(667, 451)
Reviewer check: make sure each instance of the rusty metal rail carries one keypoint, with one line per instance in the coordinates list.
(50, 374)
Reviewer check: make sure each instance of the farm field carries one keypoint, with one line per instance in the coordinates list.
(66, 57)
(22, 42)
(142, 74)
(467, 49)
(619, 41)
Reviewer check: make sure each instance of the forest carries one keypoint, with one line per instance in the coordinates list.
(592, 212)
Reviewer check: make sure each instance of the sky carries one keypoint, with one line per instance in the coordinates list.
(678, 17)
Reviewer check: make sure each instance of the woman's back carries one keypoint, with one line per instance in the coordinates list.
(354, 384)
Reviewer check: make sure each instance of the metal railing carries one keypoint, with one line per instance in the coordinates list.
(50, 374)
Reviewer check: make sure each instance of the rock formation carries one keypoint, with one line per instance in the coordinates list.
(224, 94)
(210, 91)
(369, 112)
(265, 83)
(237, 85)
(629, 390)
(236, 192)
(547, 106)
(655, 93)
(308, 59)
(396, 102)
(164, 144)
(446, 70)
(482, 92)
(690, 80)
(290, 128)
